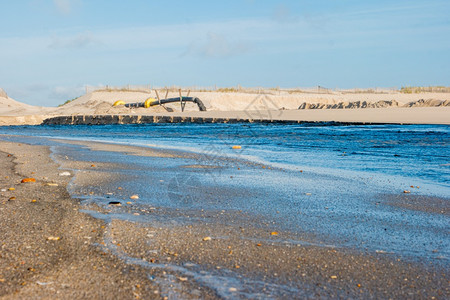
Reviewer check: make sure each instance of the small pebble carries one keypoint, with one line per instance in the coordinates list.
(208, 238)
(64, 174)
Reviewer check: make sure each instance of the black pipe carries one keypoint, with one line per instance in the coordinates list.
(196, 100)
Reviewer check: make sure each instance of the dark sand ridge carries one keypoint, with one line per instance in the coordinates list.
(228, 242)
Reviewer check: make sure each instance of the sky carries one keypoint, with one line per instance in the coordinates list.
(51, 49)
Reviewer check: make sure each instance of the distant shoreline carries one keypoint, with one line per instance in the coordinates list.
(281, 106)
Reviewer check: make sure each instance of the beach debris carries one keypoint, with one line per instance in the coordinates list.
(406, 192)
(51, 184)
(11, 189)
(44, 283)
(182, 278)
(274, 233)
(116, 203)
(129, 202)
(208, 238)
(25, 180)
(93, 166)
(232, 289)
(53, 238)
(119, 188)
(236, 147)
(12, 198)
(259, 245)
(134, 197)
(308, 194)
(3, 190)
(333, 277)
(64, 174)
(33, 201)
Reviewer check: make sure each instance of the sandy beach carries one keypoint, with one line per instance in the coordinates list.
(52, 249)
(57, 242)
(235, 150)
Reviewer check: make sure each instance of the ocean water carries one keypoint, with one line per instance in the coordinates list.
(341, 184)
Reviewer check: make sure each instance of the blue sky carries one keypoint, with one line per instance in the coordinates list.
(51, 49)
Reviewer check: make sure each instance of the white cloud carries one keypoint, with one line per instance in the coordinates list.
(63, 6)
(218, 46)
(79, 41)
(63, 93)
(283, 14)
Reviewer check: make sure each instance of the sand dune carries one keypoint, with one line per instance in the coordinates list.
(237, 103)
(101, 102)
(13, 112)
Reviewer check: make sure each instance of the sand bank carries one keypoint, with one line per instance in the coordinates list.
(389, 107)
(50, 249)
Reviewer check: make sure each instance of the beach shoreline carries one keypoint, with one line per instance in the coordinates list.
(259, 257)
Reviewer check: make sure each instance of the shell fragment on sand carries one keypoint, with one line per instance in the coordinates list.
(25, 180)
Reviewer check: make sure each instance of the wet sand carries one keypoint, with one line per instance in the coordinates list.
(50, 248)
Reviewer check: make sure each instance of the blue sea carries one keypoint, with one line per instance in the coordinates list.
(383, 188)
